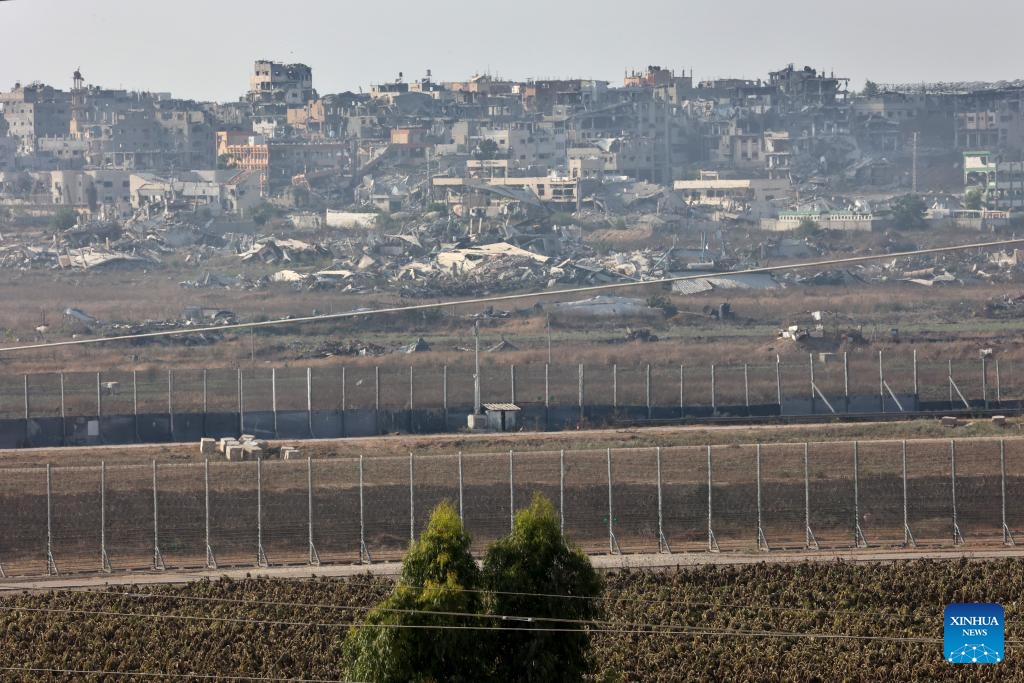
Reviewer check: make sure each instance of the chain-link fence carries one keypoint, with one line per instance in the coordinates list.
(769, 497)
(336, 401)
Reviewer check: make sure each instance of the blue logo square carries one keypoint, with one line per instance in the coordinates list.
(973, 633)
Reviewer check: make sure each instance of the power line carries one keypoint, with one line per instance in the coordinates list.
(165, 674)
(606, 598)
(598, 627)
(513, 297)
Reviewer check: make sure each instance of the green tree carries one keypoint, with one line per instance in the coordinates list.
(528, 572)
(486, 149)
(64, 218)
(908, 212)
(972, 200)
(262, 214)
(870, 89)
(395, 643)
(808, 227)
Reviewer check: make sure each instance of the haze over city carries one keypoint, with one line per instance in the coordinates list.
(202, 50)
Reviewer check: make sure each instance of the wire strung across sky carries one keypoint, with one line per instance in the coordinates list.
(590, 289)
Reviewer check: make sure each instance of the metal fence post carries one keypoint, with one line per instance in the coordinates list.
(444, 392)
(261, 555)
(63, 417)
(613, 543)
(999, 387)
(958, 538)
(211, 560)
(241, 402)
(158, 558)
(712, 541)
(663, 546)
(647, 389)
(908, 536)
(846, 380)
(984, 381)
(762, 542)
(135, 401)
(273, 397)
(170, 400)
(412, 501)
(615, 385)
(314, 557)
(917, 393)
(205, 404)
(461, 515)
(858, 533)
(51, 563)
(561, 490)
(547, 396)
(810, 541)
(581, 390)
(344, 430)
(104, 558)
(811, 358)
(99, 408)
(881, 384)
(512, 379)
(309, 400)
(364, 553)
(1007, 533)
(376, 397)
(778, 381)
(511, 494)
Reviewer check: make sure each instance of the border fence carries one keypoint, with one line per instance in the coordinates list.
(767, 497)
(336, 401)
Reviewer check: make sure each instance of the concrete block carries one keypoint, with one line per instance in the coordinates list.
(235, 452)
(950, 421)
(246, 437)
(253, 452)
(999, 420)
(207, 446)
(289, 453)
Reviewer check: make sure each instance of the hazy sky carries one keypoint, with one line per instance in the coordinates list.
(204, 49)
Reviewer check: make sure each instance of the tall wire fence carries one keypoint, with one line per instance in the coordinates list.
(753, 497)
(336, 401)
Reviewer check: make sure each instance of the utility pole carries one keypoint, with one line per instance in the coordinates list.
(476, 368)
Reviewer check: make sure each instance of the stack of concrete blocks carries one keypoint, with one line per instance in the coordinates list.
(208, 447)
(289, 453)
(255, 449)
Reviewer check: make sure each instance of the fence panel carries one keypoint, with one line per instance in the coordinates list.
(233, 513)
(830, 470)
(23, 530)
(386, 506)
(684, 492)
(285, 511)
(978, 490)
(535, 473)
(76, 518)
(782, 496)
(880, 488)
(929, 489)
(436, 479)
(130, 516)
(485, 497)
(734, 496)
(336, 509)
(1014, 456)
(586, 499)
(181, 508)
(635, 499)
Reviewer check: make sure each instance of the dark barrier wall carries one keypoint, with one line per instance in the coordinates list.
(325, 424)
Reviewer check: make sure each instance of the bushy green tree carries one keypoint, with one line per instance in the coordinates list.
(870, 89)
(908, 212)
(529, 573)
(64, 218)
(395, 641)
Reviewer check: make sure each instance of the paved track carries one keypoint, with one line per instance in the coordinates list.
(606, 562)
